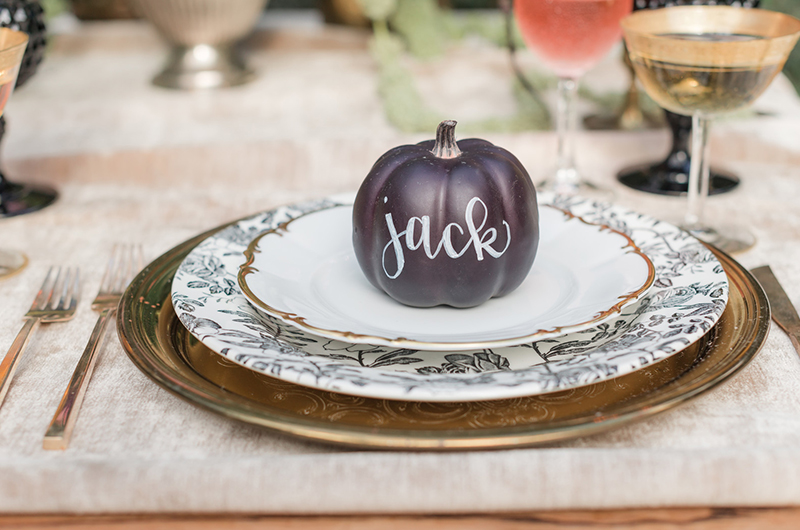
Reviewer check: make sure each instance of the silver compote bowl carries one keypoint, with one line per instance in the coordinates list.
(203, 35)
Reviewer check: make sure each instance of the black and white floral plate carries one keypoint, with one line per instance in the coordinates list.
(687, 298)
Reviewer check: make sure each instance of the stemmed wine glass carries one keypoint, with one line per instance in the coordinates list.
(671, 175)
(27, 16)
(12, 48)
(570, 36)
(703, 61)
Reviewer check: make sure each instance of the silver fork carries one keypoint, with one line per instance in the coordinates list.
(124, 263)
(55, 302)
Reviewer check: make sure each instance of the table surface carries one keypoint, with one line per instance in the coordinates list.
(650, 519)
(138, 163)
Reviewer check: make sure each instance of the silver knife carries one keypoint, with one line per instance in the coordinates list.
(783, 312)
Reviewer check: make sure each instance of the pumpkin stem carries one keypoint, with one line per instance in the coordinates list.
(446, 146)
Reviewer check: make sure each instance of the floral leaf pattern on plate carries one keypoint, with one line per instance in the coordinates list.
(688, 297)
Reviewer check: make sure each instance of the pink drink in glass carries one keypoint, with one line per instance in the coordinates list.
(571, 36)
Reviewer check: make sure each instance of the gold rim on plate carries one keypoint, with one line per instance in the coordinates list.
(164, 350)
(302, 322)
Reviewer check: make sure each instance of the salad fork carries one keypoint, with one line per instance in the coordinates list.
(124, 263)
(55, 302)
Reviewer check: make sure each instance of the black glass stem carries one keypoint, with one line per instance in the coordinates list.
(26, 16)
(18, 199)
(671, 175)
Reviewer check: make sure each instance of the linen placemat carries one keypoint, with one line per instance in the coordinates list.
(137, 448)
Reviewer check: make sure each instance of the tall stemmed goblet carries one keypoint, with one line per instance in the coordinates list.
(26, 16)
(570, 36)
(703, 61)
(671, 175)
(12, 48)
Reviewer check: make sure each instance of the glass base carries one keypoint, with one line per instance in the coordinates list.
(662, 180)
(204, 66)
(729, 239)
(11, 263)
(19, 199)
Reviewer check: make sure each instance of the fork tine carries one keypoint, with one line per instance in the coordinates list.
(108, 275)
(57, 289)
(119, 272)
(51, 288)
(57, 303)
(54, 287)
(126, 269)
(70, 292)
(75, 291)
(41, 296)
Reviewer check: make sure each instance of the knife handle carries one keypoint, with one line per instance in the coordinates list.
(781, 307)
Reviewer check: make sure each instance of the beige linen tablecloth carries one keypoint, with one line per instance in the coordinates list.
(136, 163)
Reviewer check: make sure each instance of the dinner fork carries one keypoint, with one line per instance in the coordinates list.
(124, 263)
(55, 302)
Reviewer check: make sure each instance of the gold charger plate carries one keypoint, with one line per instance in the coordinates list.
(163, 349)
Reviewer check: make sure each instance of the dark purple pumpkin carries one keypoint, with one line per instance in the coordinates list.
(446, 222)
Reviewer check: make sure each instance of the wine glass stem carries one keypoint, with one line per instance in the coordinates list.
(566, 174)
(3, 181)
(698, 174)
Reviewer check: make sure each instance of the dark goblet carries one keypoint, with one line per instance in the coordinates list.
(26, 16)
(671, 175)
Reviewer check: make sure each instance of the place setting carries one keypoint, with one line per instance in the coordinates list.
(448, 304)
(185, 323)
(430, 265)
(448, 292)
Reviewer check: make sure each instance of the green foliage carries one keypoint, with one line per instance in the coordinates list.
(423, 25)
(379, 10)
(423, 29)
(790, 7)
(530, 114)
(403, 104)
(53, 8)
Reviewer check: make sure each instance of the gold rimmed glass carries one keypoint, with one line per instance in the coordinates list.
(12, 48)
(702, 61)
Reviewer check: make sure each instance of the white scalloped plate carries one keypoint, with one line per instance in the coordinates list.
(305, 273)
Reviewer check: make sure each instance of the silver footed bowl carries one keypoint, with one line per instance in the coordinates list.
(203, 35)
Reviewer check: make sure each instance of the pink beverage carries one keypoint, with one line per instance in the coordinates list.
(8, 78)
(5, 93)
(571, 36)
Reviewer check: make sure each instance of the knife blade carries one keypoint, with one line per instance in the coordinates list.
(783, 312)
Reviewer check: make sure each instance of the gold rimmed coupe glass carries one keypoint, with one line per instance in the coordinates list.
(12, 48)
(702, 61)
